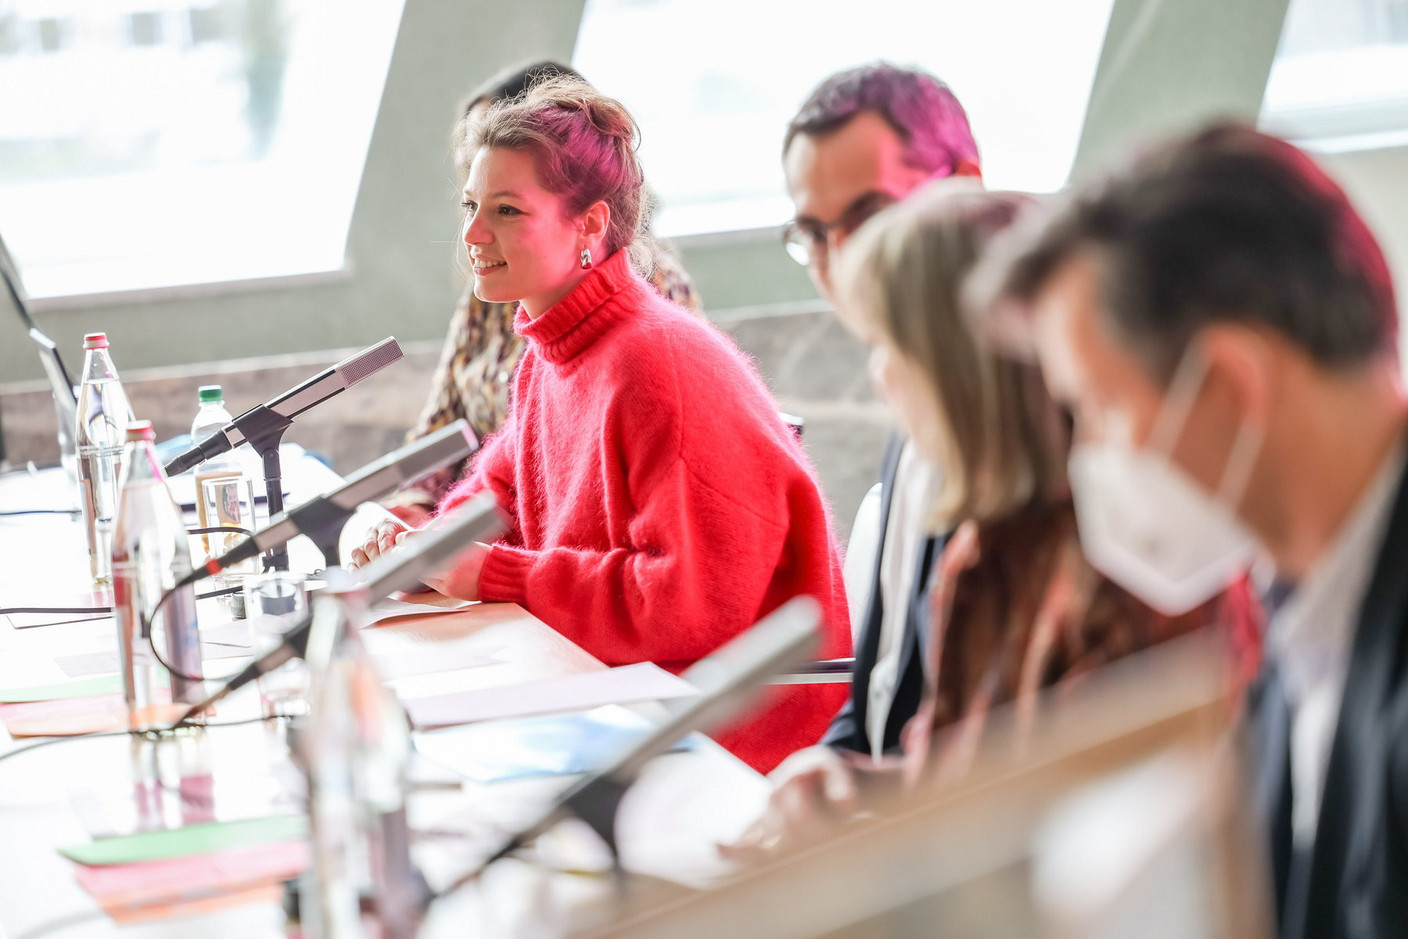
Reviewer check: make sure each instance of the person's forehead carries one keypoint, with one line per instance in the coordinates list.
(1082, 360)
(825, 174)
(1063, 316)
(496, 169)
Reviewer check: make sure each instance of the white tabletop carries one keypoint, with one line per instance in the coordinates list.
(669, 823)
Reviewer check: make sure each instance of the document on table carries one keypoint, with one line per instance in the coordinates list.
(431, 658)
(202, 838)
(104, 662)
(416, 604)
(68, 689)
(146, 889)
(547, 745)
(625, 685)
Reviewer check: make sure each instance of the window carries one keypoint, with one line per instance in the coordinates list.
(1340, 77)
(176, 142)
(9, 35)
(714, 84)
(145, 28)
(207, 25)
(52, 34)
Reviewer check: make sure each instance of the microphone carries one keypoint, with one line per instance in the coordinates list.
(278, 413)
(477, 520)
(322, 517)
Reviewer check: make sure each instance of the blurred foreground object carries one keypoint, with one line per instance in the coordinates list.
(1122, 816)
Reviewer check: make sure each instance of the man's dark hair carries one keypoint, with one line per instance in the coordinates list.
(920, 108)
(512, 82)
(1227, 224)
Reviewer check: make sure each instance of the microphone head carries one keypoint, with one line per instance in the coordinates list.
(356, 367)
(420, 458)
(407, 465)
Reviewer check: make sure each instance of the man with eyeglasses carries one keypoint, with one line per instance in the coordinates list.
(865, 139)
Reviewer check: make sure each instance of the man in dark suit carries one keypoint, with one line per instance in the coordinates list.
(866, 138)
(1223, 325)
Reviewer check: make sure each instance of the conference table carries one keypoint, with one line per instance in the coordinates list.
(78, 791)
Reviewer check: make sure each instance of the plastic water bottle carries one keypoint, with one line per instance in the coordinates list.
(211, 417)
(354, 747)
(103, 416)
(150, 554)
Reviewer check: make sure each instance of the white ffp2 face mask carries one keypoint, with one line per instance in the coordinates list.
(1149, 527)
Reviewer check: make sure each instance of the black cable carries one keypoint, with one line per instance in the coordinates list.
(9, 513)
(147, 621)
(99, 609)
(220, 530)
(156, 653)
(153, 732)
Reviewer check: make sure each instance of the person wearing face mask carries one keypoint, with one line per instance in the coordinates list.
(1015, 609)
(658, 504)
(1223, 324)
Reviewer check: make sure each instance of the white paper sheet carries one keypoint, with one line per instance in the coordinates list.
(432, 658)
(625, 685)
(416, 605)
(104, 662)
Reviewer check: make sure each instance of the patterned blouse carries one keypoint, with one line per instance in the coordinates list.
(472, 380)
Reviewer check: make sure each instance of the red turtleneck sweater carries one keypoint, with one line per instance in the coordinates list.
(659, 504)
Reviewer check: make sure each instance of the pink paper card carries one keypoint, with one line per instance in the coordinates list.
(127, 889)
(70, 717)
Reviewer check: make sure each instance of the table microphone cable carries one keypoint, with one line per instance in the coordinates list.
(153, 732)
(150, 636)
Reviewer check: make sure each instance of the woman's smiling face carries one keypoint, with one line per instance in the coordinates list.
(522, 245)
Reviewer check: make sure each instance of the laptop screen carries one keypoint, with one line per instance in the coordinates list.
(60, 382)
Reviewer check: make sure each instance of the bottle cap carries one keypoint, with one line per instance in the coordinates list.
(210, 394)
(95, 340)
(140, 430)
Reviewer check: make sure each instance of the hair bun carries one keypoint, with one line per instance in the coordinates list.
(607, 116)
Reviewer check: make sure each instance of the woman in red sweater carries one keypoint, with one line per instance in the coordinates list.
(659, 504)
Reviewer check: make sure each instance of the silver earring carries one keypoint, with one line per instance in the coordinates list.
(586, 259)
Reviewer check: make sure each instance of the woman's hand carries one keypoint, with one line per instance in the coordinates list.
(813, 790)
(462, 580)
(380, 540)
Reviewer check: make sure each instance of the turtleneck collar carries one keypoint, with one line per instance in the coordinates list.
(574, 322)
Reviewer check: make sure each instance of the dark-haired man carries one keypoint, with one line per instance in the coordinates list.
(866, 138)
(1223, 325)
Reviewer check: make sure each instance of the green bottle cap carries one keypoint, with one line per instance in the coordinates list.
(210, 393)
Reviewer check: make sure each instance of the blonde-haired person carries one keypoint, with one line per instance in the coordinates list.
(659, 504)
(1015, 608)
(481, 350)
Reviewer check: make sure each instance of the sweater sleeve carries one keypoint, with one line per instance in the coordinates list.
(492, 471)
(705, 548)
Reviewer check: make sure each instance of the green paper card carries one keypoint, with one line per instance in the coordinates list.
(204, 838)
(106, 684)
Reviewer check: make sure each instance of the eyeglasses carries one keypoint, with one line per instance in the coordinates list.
(808, 242)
